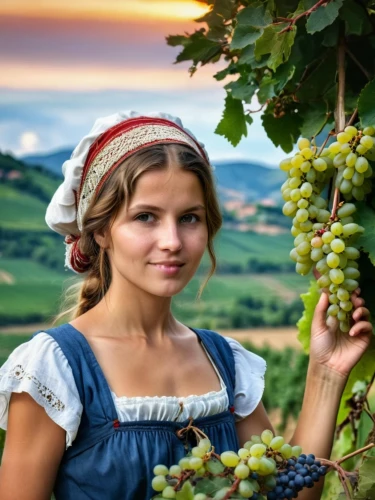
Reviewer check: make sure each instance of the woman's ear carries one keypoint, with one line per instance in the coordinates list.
(101, 239)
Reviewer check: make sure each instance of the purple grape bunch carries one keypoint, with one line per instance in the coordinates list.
(298, 474)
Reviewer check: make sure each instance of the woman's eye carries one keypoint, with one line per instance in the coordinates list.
(190, 218)
(145, 217)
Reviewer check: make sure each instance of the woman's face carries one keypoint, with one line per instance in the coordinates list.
(159, 240)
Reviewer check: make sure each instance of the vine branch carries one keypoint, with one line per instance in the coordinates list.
(292, 21)
(340, 110)
(360, 66)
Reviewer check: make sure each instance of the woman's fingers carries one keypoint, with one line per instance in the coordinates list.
(362, 327)
(361, 313)
(357, 301)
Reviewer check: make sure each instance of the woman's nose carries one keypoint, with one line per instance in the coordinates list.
(169, 236)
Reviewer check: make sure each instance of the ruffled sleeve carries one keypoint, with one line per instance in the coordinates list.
(40, 368)
(249, 386)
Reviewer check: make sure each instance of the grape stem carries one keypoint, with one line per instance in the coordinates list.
(293, 20)
(336, 200)
(353, 117)
(232, 489)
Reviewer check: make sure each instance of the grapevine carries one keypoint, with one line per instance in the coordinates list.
(308, 69)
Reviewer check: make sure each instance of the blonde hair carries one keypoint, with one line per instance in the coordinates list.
(116, 192)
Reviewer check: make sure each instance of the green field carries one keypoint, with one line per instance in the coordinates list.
(21, 210)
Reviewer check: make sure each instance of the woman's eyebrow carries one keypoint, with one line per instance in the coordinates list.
(158, 209)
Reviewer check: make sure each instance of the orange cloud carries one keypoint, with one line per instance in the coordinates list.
(17, 75)
(109, 9)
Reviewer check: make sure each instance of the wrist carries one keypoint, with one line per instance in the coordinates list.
(320, 373)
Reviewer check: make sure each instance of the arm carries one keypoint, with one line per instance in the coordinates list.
(255, 423)
(34, 446)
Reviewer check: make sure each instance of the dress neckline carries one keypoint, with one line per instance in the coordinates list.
(108, 389)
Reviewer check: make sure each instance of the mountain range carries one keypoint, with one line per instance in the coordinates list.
(245, 181)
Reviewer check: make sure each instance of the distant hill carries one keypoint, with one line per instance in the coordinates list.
(247, 181)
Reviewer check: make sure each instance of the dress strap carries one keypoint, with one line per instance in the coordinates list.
(222, 355)
(92, 386)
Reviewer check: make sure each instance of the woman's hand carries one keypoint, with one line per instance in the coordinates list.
(334, 349)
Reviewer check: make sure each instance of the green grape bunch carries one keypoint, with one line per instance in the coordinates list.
(323, 240)
(265, 468)
(350, 155)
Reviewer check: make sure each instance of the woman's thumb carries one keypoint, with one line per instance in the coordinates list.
(320, 314)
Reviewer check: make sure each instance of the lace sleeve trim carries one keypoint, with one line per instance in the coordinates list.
(20, 374)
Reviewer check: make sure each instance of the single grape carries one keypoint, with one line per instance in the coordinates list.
(327, 237)
(335, 147)
(336, 228)
(277, 442)
(361, 149)
(205, 443)
(367, 141)
(339, 160)
(346, 186)
(352, 131)
(313, 211)
(350, 285)
(294, 183)
(336, 276)
(245, 489)
(351, 273)
(317, 242)
(303, 143)
(350, 229)
(333, 260)
(266, 466)
(346, 305)
(160, 470)
(348, 173)
(346, 210)
(369, 130)
(358, 179)
(229, 458)
(342, 294)
(295, 194)
(302, 215)
(337, 245)
(311, 175)
(266, 436)
(306, 189)
(333, 299)
(175, 470)
(345, 148)
(352, 253)
(305, 167)
(344, 326)
(303, 268)
(248, 445)
(195, 463)
(158, 483)
(342, 315)
(198, 451)
(358, 193)
(319, 164)
(242, 471)
(307, 153)
(303, 248)
(219, 495)
(323, 216)
(351, 159)
(322, 266)
(200, 496)
(333, 288)
(297, 160)
(352, 263)
(169, 492)
(333, 310)
(302, 203)
(306, 226)
(253, 463)
(343, 137)
(361, 165)
(184, 463)
(324, 281)
(286, 451)
(256, 439)
(296, 450)
(258, 450)
(326, 248)
(316, 254)
(244, 453)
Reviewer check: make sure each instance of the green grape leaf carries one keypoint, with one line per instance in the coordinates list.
(214, 466)
(314, 119)
(323, 16)
(211, 486)
(248, 57)
(283, 75)
(186, 492)
(256, 15)
(366, 485)
(175, 40)
(265, 43)
(309, 299)
(282, 131)
(244, 35)
(282, 48)
(366, 104)
(243, 88)
(356, 18)
(199, 49)
(230, 70)
(365, 216)
(233, 123)
(266, 89)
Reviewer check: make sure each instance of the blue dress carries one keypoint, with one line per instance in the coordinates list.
(112, 460)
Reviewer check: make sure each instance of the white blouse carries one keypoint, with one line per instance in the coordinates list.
(40, 368)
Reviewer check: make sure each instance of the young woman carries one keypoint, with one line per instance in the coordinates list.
(91, 406)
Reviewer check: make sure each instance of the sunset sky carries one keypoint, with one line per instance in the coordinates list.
(63, 64)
